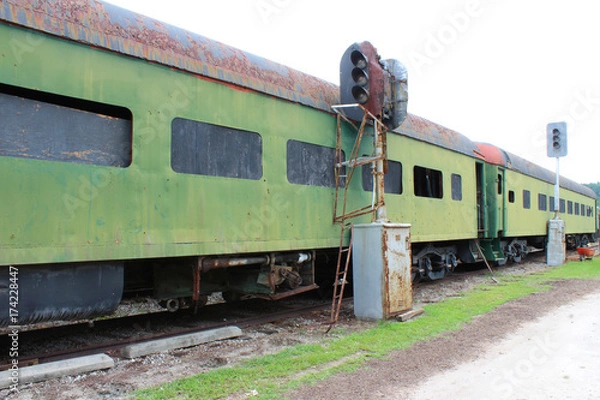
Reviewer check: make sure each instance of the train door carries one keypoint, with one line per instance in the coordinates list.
(481, 213)
(500, 204)
(495, 188)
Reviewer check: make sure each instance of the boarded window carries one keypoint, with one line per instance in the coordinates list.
(526, 199)
(428, 182)
(456, 187)
(44, 126)
(310, 164)
(542, 202)
(206, 149)
(392, 180)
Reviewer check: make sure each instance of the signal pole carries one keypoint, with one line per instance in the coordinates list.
(557, 190)
(557, 147)
(380, 173)
(381, 248)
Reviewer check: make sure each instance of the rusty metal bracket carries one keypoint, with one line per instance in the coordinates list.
(344, 169)
(197, 281)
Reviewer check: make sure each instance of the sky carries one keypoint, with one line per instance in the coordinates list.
(497, 71)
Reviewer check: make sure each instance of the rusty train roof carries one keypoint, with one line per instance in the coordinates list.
(113, 28)
(498, 156)
(425, 130)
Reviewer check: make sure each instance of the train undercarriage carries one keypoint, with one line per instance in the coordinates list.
(88, 290)
(434, 261)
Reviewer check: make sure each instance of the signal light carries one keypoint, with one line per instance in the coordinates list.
(360, 77)
(359, 59)
(361, 80)
(557, 139)
(379, 86)
(360, 94)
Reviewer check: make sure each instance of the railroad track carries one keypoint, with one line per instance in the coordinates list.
(65, 333)
(72, 340)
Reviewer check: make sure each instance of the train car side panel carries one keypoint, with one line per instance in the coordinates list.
(438, 196)
(76, 211)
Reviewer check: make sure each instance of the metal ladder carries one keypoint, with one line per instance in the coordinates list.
(344, 171)
(344, 256)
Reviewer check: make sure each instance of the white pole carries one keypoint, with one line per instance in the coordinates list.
(381, 211)
(557, 190)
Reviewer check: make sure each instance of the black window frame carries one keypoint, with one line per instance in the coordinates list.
(542, 202)
(51, 127)
(526, 199)
(392, 181)
(310, 164)
(206, 149)
(432, 190)
(500, 183)
(456, 187)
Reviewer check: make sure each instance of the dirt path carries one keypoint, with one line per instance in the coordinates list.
(401, 376)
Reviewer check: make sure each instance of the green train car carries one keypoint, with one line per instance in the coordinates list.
(523, 201)
(138, 157)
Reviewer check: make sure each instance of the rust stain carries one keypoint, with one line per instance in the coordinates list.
(107, 26)
(430, 132)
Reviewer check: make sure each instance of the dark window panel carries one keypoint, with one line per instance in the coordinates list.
(526, 199)
(456, 187)
(205, 149)
(392, 180)
(310, 164)
(428, 182)
(542, 202)
(47, 127)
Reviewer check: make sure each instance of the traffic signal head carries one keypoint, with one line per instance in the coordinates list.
(362, 80)
(557, 139)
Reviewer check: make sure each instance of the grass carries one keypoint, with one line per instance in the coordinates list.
(269, 377)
